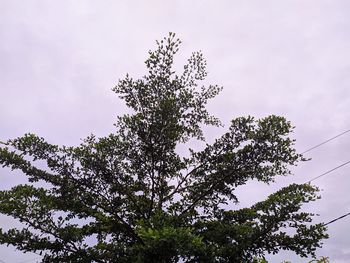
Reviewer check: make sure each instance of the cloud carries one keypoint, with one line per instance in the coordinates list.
(59, 61)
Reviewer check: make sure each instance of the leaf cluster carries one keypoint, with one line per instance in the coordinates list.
(131, 196)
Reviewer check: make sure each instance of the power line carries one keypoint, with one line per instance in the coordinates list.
(308, 150)
(336, 219)
(329, 171)
(326, 141)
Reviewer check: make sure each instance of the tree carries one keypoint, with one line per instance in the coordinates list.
(131, 197)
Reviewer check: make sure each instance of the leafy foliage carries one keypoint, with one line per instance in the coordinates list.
(131, 197)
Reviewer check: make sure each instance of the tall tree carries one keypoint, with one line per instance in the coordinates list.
(131, 197)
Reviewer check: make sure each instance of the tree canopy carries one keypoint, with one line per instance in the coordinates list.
(132, 197)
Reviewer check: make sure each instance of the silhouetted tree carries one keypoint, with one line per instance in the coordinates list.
(131, 197)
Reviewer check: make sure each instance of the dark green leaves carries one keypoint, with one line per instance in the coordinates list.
(131, 196)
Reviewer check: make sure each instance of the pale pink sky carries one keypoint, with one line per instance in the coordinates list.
(60, 59)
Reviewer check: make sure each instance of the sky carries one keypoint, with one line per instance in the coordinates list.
(59, 61)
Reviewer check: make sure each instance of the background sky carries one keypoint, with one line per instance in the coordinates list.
(59, 61)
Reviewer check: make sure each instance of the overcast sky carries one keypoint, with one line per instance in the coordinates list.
(60, 59)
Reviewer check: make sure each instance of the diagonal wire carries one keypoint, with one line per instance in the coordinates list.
(313, 179)
(336, 219)
(329, 171)
(326, 141)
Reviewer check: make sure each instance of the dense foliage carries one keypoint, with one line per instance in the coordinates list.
(131, 197)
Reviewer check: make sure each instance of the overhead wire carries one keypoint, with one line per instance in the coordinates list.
(313, 179)
(320, 144)
(327, 172)
(336, 219)
(324, 142)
